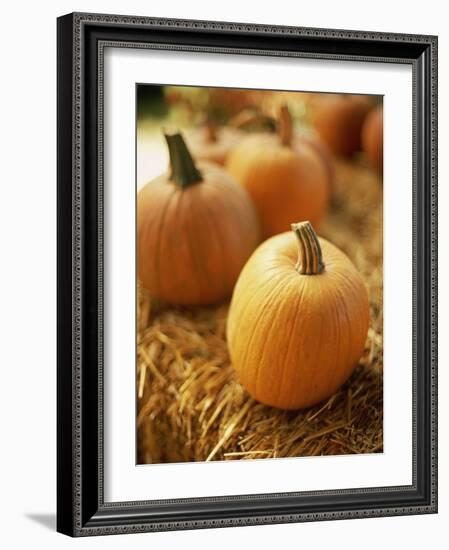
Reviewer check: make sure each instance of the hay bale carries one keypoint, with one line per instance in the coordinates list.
(192, 408)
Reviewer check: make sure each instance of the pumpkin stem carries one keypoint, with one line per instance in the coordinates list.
(310, 260)
(183, 170)
(285, 125)
(211, 132)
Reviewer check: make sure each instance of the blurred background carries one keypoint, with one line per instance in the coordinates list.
(232, 113)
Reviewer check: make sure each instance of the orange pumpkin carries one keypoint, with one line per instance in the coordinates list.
(196, 228)
(338, 120)
(297, 324)
(286, 178)
(324, 153)
(233, 100)
(213, 144)
(373, 137)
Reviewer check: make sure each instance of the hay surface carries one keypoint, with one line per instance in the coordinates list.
(192, 408)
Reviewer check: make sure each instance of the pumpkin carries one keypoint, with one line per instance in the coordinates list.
(286, 178)
(211, 143)
(338, 120)
(372, 137)
(324, 153)
(234, 100)
(297, 323)
(196, 228)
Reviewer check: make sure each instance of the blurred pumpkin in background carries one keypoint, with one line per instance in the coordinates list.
(235, 100)
(323, 152)
(196, 228)
(338, 120)
(213, 143)
(373, 138)
(285, 177)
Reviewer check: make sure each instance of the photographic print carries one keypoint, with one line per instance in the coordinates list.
(259, 274)
(237, 259)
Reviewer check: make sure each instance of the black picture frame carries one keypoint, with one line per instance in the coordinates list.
(81, 509)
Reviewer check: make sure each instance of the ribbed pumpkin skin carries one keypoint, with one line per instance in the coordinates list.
(338, 119)
(193, 242)
(294, 339)
(372, 137)
(285, 183)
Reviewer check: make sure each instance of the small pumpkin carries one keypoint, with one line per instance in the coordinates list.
(213, 144)
(196, 228)
(372, 137)
(297, 324)
(285, 177)
(338, 120)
